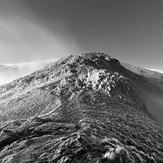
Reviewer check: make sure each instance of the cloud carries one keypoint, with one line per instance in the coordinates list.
(10, 72)
(23, 38)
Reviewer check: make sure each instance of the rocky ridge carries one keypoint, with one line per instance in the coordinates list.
(85, 108)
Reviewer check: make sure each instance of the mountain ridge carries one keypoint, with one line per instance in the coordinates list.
(85, 108)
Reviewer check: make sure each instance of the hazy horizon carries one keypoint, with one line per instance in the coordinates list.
(12, 71)
(49, 60)
(131, 31)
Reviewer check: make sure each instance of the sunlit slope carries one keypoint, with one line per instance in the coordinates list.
(86, 108)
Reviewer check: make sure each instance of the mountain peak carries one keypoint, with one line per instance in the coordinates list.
(85, 108)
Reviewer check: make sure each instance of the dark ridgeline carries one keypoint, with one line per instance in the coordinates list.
(81, 109)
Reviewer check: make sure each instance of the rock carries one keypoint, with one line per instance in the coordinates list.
(85, 108)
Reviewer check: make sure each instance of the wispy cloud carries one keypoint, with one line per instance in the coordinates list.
(10, 72)
(24, 39)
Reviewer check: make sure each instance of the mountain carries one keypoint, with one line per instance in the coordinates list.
(88, 108)
(157, 70)
(149, 73)
(151, 93)
(10, 72)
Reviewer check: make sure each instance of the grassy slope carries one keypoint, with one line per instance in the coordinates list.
(152, 97)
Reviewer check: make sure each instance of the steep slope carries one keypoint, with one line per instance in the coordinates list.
(156, 78)
(149, 73)
(152, 97)
(85, 108)
(10, 72)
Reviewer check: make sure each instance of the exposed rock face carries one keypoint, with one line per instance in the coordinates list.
(85, 108)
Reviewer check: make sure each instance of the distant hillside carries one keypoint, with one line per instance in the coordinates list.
(88, 108)
(156, 70)
(10, 72)
(151, 93)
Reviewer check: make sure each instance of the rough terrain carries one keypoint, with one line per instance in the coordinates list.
(81, 109)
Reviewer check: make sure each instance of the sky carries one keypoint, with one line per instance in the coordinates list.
(35, 30)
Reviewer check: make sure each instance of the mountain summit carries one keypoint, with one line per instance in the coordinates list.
(81, 109)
